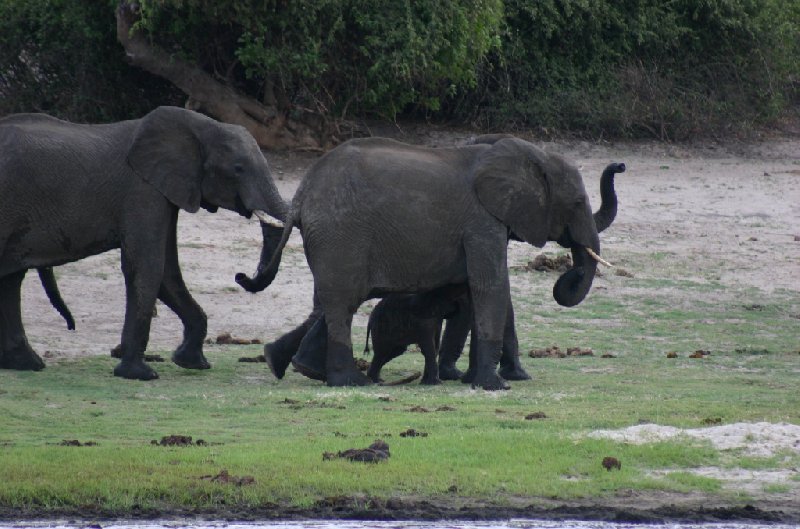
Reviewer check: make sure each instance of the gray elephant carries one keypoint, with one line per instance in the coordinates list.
(400, 320)
(70, 190)
(380, 217)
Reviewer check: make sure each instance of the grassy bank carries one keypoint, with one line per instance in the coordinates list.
(478, 445)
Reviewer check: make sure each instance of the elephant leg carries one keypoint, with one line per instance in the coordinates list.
(469, 375)
(455, 337)
(143, 268)
(381, 358)
(279, 354)
(430, 376)
(340, 368)
(176, 296)
(510, 366)
(15, 351)
(311, 357)
(489, 286)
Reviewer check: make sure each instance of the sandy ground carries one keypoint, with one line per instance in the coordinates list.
(733, 209)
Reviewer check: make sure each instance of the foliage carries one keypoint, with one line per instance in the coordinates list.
(62, 57)
(670, 70)
(337, 56)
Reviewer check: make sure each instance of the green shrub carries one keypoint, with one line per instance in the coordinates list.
(643, 67)
(62, 57)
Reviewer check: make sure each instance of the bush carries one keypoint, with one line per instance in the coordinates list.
(340, 57)
(61, 57)
(642, 67)
(627, 68)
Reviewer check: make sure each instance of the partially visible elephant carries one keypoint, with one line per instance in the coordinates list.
(380, 217)
(70, 190)
(400, 320)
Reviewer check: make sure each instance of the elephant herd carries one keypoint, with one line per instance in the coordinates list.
(426, 229)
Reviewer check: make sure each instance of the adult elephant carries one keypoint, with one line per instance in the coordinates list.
(379, 217)
(70, 190)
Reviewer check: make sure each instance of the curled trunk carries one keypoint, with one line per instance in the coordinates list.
(264, 274)
(572, 287)
(604, 216)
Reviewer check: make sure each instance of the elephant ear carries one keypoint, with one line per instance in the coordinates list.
(167, 153)
(511, 182)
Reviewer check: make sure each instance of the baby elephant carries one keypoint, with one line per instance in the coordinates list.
(400, 320)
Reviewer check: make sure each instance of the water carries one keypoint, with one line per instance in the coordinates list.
(347, 524)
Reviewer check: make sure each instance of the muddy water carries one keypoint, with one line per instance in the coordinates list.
(506, 524)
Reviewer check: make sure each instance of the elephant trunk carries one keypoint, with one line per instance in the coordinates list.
(574, 284)
(604, 216)
(275, 239)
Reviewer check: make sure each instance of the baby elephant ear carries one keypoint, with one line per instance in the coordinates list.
(512, 184)
(167, 153)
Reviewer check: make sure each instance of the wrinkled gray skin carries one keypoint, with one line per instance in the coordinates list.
(381, 217)
(400, 320)
(68, 191)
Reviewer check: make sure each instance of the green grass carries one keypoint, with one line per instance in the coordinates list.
(484, 448)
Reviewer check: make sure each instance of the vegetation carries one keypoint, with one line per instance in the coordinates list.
(479, 446)
(640, 68)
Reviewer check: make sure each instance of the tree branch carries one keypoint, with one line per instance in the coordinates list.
(272, 128)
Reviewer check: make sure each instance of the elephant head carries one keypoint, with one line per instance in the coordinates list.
(541, 198)
(196, 161)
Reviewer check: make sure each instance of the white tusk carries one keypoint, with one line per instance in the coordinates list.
(598, 258)
(267, 219)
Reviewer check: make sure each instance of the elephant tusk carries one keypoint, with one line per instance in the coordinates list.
(266, 218)
(598, 258)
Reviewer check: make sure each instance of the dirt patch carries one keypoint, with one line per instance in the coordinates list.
(752, 439)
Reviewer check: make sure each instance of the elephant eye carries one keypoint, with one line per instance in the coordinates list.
(238, 169)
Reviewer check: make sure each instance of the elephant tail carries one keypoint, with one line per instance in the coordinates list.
(267, 270)
(366, 342)
(48, 279)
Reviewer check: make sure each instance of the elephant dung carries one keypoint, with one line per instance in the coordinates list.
(374, 453)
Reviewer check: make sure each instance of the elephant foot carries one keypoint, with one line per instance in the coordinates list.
(350, 376)
(190, 358)
(374, 375)
(22, 359)
(278, 359)
(116, 352)
(308, 370)
(135, 370)
(450, 372)
(513, 372)
(489, 381)
(430, 381)
(467, 378)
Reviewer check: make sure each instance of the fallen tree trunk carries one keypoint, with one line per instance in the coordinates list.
(271, 127)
